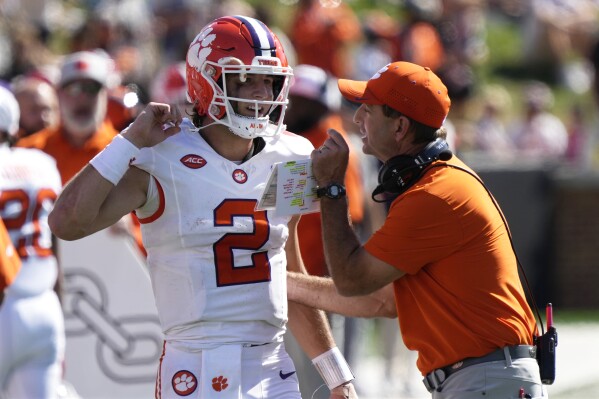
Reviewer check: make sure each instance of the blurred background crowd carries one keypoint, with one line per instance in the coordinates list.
(520, 72)
(523, 77)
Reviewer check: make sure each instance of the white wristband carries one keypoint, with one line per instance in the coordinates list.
(333, 368)
(113, 162)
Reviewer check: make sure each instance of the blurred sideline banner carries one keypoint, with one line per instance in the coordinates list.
(526, 197)
(114, 338)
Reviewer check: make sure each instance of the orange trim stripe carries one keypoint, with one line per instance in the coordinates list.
(161, 205)
(158, 389)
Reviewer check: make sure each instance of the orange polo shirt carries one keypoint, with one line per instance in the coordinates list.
(461, 296)
(309, 228)
(69, 159)
(10, 263)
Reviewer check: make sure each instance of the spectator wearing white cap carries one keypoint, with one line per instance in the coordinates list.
(32, 337)
(84, 130)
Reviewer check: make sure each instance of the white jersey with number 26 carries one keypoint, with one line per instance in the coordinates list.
(217, 265)
(29, 185)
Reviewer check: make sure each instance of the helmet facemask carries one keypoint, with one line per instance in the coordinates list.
(267, 123)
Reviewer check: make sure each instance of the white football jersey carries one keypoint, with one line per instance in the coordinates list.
(218, 266)
(29, 185)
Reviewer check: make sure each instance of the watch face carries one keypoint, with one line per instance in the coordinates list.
(333, 191)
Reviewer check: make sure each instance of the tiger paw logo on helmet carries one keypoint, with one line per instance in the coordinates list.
(201, 48)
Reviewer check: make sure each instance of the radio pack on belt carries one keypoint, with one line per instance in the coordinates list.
(546, 344)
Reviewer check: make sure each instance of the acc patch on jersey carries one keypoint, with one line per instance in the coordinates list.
(193, 161)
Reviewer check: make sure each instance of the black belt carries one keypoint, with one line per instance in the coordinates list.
(435, 378)
(254, 345)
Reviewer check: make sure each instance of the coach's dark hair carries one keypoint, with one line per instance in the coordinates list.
(422, 133)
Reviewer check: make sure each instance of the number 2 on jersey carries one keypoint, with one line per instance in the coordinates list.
(227, 273)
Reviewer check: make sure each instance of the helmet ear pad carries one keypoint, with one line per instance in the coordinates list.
(196, 92)
(202, 94)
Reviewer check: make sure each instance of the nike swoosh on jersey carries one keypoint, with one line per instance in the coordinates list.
(284, 376)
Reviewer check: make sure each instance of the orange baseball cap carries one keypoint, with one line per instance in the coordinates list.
(411, 89)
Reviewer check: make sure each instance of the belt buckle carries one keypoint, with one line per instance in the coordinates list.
(440, 375)
(434, 379)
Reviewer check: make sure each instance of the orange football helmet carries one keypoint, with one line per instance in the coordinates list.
(237, 45)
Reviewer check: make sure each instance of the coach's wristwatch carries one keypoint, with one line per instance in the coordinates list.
(333, 190)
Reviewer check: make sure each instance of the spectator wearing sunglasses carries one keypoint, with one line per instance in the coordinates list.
(84, 129)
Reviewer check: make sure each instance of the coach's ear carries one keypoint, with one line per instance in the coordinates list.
(401, 127)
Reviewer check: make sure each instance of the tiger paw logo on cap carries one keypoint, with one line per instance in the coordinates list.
(184, 383)
(380, 72)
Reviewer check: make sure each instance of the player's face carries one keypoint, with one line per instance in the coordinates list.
(377, 131)
(253, 87)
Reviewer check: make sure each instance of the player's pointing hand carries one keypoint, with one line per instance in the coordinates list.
(153, 125)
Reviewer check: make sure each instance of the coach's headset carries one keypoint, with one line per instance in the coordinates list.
(401, 172)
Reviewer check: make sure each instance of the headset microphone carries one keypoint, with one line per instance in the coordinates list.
(401, 172)
(445, 155)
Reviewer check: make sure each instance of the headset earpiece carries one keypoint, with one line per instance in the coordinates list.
(391, 172)
(401, 172)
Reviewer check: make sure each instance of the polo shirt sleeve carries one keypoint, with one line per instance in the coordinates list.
(420, 228)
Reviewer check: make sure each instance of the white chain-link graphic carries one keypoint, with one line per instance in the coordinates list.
(127, 348)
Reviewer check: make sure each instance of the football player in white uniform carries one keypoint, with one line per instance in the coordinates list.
(32, 337)
(218, 265)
